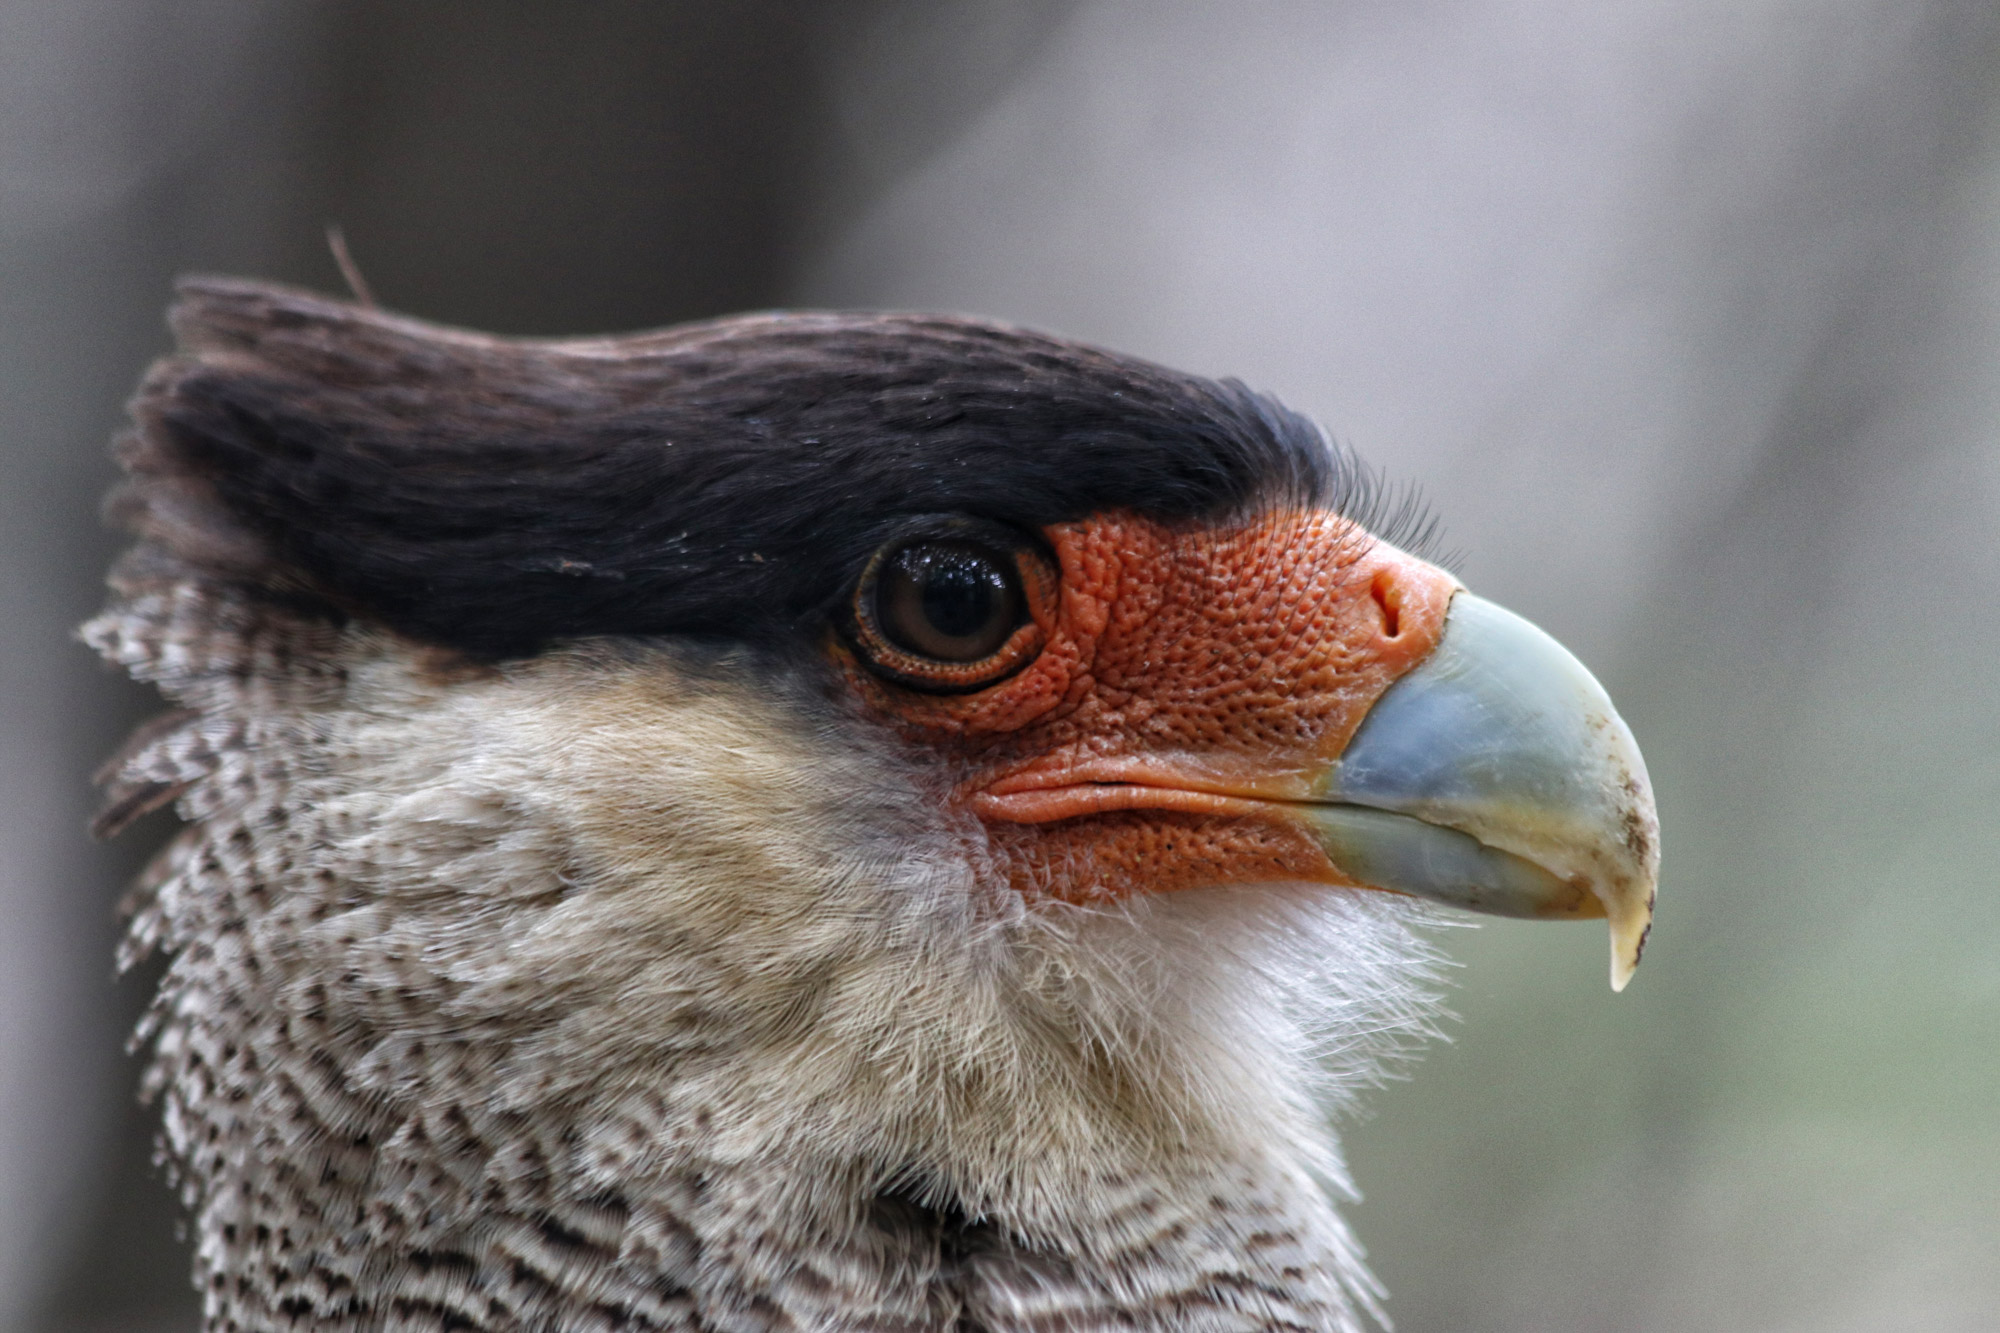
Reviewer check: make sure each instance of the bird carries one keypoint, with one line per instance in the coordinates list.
(803, 820)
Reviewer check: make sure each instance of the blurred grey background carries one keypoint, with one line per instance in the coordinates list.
(1685, 314)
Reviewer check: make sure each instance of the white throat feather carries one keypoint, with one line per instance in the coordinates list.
(549, 941)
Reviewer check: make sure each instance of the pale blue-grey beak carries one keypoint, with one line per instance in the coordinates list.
(1496, 776)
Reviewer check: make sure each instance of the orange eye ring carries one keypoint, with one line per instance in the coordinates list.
(953, 611)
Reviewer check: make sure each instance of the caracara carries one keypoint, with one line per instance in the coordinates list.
(804, 821)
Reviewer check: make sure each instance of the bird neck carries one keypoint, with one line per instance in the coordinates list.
(490, 1006)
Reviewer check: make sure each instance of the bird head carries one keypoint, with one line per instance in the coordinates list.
(952, 757)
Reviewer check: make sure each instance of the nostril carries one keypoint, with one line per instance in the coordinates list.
(1383, 590)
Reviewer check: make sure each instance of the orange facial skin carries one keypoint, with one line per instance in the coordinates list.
(1191, 682)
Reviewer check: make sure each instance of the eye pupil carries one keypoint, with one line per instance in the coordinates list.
(960, 596)
(952, 601)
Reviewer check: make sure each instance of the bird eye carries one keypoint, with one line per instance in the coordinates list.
(949, 614)
(948, 600)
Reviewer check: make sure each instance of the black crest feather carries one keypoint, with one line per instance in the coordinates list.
(726, 478)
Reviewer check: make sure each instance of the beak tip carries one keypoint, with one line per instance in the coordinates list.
(1631, 926)
(1622, 971)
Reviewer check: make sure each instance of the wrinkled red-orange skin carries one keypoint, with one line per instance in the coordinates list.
(1193, 680)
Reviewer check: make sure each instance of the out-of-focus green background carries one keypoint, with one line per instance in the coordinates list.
(1685, 313)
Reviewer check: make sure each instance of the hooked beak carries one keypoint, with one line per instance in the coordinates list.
(1496, 776)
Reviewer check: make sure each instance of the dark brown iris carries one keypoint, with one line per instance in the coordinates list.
(951, 613)
(953, 601)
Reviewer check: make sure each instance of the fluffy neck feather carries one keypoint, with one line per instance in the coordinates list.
(619, 987)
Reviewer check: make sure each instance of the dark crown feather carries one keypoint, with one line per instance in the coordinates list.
(725, 478)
